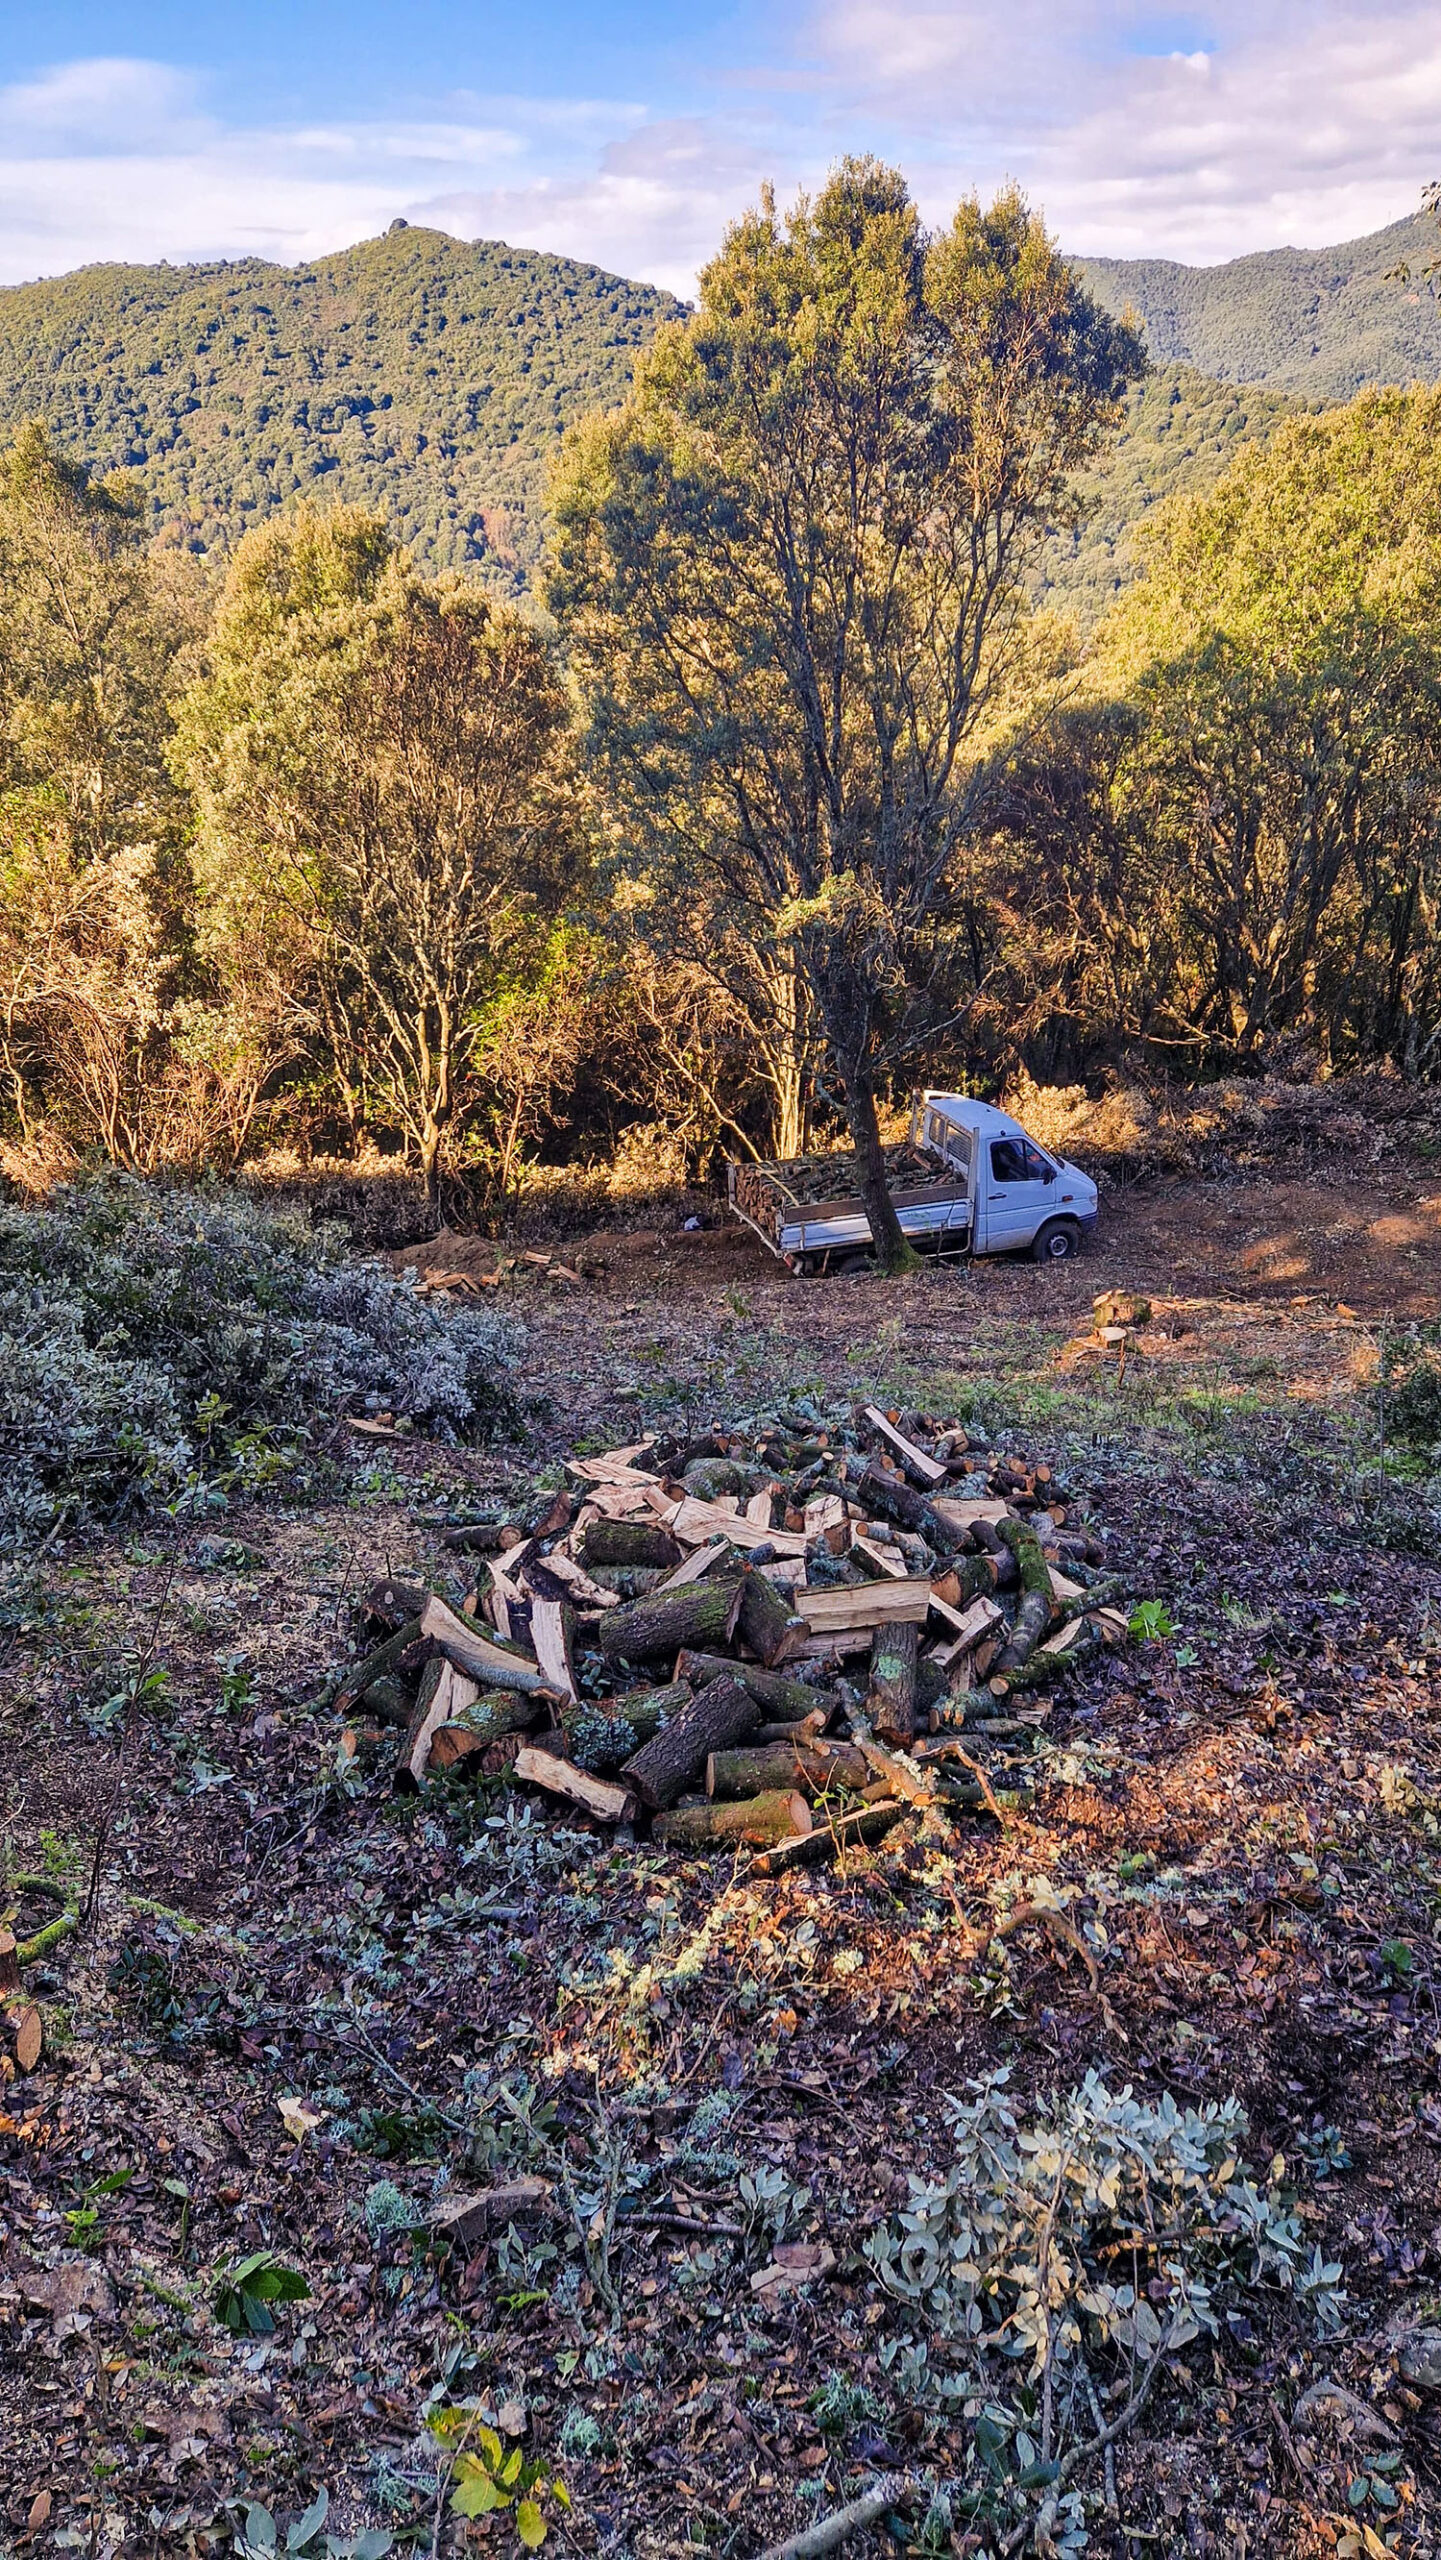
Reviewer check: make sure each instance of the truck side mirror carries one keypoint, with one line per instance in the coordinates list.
(1050, 1174)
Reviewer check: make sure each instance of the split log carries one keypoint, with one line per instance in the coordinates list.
(718, 1716)
(764, 1622)
(629, 1542)
(758, 1769)
(843, 1608)
(695, 1522)
(473, 1653)
(891, 1704)
(29, 2037)
(444, 1696)
(550, 1630)
(562, 1778)
(467, 2220)
(700, 1561)
(886, 1560)
(773, 1689)
(782, 1815)
(452, 1746)
(832, 1838)
(921, 1469)
(699, 1613)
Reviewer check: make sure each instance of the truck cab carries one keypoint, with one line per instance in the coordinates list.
(1022, 1197)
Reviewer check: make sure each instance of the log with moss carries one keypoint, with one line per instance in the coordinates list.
(832, 1837)
(776, 1690)
(765, 1621)
(1038, 1600)
(891, 1704)
(817, 1767)
(718, 1716)
(670, 1622)
(782, 1814)
(642, 1542)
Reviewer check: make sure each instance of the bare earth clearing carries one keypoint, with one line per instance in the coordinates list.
(1243, 1817)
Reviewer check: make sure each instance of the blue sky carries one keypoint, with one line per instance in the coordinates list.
(631, 133)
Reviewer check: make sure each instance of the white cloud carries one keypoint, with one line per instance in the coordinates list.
(1293, 122)
(1240, 125)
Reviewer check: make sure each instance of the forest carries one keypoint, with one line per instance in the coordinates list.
(787, 791)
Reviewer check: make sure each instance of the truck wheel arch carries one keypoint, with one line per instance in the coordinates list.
(1056, 1240)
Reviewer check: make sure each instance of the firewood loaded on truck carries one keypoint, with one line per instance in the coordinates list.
(967, 1179)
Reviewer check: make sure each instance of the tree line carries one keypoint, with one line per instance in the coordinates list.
(783, 797)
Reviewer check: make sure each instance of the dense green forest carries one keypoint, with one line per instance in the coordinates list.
(1181, 431)
(1321, 322)
(432, 380)
(428, 377)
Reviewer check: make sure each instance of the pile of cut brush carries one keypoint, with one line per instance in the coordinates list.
(801, 1622)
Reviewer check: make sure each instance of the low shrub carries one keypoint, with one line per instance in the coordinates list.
(157, 1343)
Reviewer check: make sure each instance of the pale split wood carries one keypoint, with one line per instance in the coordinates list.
(967, 1625)
(694, 1522)
(694, 1567)
(870, 1604)
(962, 1511)
(552, 1652)
(758, 1509)
(454, 1693)
(470, 1651)
(885, 1559)
(577, 1581)
(926, 1467)
(562, 1778)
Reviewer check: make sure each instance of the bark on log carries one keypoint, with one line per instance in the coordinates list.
(1037, 1597)
(781, 1815)
(9, 1963)
(629, 1542)
(891, 1704)
(816, 1767)
(388, 1700)
(396, 1603)
(720, 1715)
(922, 1469)
(831, 1838)
(477, 1538)
(896, 1501)
(698, 1613)
(763, 1622)
(773, 1689)
(415, 1743)
(646, 1710)
(382, 1663)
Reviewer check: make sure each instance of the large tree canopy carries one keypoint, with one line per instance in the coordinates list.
(790, 572)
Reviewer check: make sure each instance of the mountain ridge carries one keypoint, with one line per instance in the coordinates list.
(1321, 322)
(426, 376)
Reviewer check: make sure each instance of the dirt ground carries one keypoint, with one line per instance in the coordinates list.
(1240, 1818)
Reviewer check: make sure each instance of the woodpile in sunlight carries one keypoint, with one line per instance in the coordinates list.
(782, 1639)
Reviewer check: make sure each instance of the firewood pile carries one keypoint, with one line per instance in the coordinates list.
(784, 1639)
(811, 1179)
(439, 1283)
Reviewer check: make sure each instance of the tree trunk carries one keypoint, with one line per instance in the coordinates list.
(893, 1254)
(721, 1715)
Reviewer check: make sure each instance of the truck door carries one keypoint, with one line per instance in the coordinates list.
(1018, 1185)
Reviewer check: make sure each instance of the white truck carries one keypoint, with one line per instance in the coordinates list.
(969, 1180)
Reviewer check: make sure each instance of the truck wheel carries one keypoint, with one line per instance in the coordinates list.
(1058, 1240)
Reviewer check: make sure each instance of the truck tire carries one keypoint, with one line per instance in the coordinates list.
(1058, 1239)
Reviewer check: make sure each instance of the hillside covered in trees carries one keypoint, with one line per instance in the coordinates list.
(426, 377)
(1322, 322)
